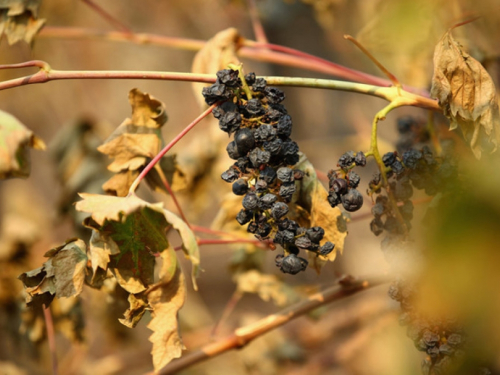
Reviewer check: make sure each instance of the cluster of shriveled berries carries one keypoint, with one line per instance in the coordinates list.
(264, 158)
(418, 169)
(443, 341)
(343, 183)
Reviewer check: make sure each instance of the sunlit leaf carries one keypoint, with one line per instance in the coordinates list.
(15, 141)
(19, 20)
(467, 95)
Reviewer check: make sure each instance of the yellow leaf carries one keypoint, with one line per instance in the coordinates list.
(166, 302)
(467, 95)
(18, 20)
(15, 139)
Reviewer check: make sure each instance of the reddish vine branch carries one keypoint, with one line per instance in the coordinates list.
(244, 335)
(265, 52)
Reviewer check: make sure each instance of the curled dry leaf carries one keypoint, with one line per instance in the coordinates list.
(467, 95)
(311, 196)
(19, 20)
(135, 142)
(15, 139)
(61, 276)
(134, 313)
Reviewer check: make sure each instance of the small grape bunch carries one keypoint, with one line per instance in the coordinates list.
(343, 183)
(418, 169)
(263, 170)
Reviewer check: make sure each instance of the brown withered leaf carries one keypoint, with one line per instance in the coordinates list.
(62, 275)
(312, 197)
(69, 261)
(135, 142)
(467, 95)
(268, 287)
(134, 313)
(166, 301)
(19, 20)
(15, 140)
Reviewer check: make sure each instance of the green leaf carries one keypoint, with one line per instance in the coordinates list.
(138, 229)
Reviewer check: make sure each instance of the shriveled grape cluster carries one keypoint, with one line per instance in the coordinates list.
(443, 341)
(343, 183)
(419, 169)
(264, 158)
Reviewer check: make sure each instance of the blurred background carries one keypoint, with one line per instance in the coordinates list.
(359, 335)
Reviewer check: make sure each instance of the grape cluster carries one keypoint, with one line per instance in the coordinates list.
(263, 170)
(343, 183)
(413, 133)
(443, 341)
(413, 169)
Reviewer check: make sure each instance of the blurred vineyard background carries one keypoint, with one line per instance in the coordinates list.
(359, 335)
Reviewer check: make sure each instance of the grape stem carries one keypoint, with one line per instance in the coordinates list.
(172, 143)
(392, 94)
(374, 151)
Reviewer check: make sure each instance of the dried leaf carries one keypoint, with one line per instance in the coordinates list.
(138, 230)
(18, 20)
(166, 301)
(101, 247)
(467, 95)
(312, 197)
(62, 275)
(15, 139)
(134, 313)
(267, 287)
(135, 142)
(68, 264)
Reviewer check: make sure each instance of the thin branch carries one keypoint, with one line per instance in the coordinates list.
(244, 335)
(258, 29)
(49, 324)
(28, 64)
(389, 75)
(172, 143)
(227, 242)
(228, 309)
(397, 97)
(164, 180)
(253, 50)
(108, 17)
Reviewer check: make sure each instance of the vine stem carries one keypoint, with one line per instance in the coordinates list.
(392, 94)
(225, 242)
(244, 335)
(165, 149)
(374, 151)
(49, 324)
(107, 16)
(265, 52)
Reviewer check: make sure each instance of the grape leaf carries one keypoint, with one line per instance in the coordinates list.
(134, 313)
(467, 95)
(19, 20)
(312, 196)
(61, 276)
(15, 139)
(101, 247)
(138, 230)
(166, 300)
(135, 142)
